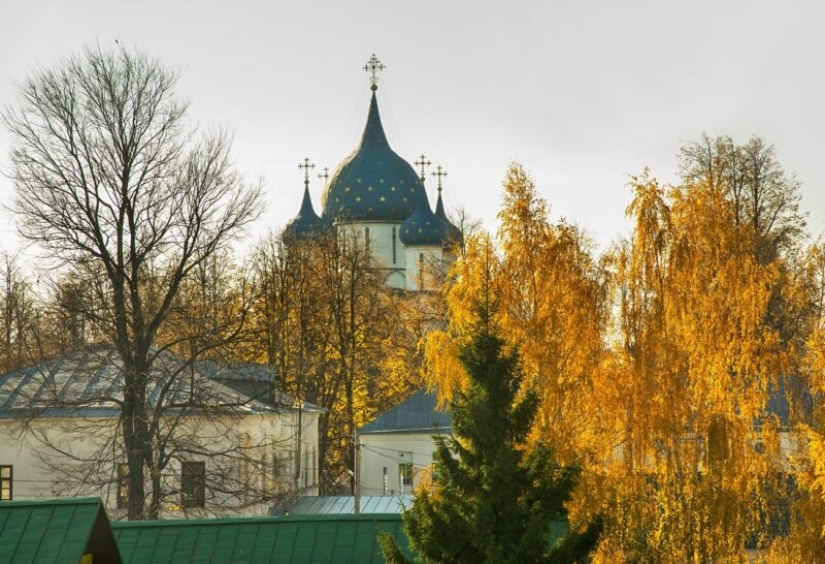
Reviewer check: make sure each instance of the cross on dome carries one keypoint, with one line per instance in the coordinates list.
(373, 67)
(324, 176)
(439, 173)
(306, 166)
(423, 162)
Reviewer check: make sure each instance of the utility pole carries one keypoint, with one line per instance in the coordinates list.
(356, 470)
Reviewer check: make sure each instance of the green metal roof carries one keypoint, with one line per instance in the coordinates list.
(273, 540)
(373, 183)
(59, 531)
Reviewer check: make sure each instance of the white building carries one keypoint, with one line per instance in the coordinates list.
(396, 449)
(218, 447)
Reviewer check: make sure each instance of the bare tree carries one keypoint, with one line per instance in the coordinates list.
(18, 315)
(763, 197)
(110, 177)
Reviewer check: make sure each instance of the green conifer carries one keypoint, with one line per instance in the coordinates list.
(495, 497)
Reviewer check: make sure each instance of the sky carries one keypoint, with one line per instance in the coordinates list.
(582, 93)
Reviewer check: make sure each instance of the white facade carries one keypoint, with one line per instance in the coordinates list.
(425, 267)
(276, 460)
(386, 249)
(395, 463)
(214, 448)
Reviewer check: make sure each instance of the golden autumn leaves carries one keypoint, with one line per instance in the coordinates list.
(678, 367)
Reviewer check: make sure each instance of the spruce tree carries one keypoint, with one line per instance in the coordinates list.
(495, 496)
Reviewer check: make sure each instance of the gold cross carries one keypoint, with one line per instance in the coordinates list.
(324, 175)
(423, 162)
(439, 173)
(373, 66)
(306, 166)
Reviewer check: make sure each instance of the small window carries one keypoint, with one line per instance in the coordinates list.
(367, 238)
(122, 486)
(405, 475)
(6, 482)
(393, 245)
(193, 484)
(284, 466)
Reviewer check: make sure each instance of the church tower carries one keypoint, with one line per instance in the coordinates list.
(375, 195)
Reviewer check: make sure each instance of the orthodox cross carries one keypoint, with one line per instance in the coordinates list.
(439, 173)
(306, 166)
(423, 162)
(324, 176)
(373, 66)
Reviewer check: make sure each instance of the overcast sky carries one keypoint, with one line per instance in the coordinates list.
(582, 93)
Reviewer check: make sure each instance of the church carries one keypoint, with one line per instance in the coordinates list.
(375, 196)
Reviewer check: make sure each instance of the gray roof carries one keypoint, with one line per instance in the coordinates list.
(345, 504)
(90, 383)
(419, 414)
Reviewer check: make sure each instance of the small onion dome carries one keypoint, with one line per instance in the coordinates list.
(306, 223)
(423, 228)
(373, 183)
(455, 236)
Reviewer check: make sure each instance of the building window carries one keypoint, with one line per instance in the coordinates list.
(405, 475)
(421, 271)
(193, 484)
(367, 238)
(393, 245)
(6, 482)
(122, 486)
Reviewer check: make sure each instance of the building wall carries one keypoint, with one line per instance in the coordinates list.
(385, 458)
(425, 268)
(34, 479)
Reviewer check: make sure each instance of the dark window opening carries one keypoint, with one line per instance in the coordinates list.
(193, 484)
(6, 482)
(122, 486)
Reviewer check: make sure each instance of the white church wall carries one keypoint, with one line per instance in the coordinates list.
(425, 268)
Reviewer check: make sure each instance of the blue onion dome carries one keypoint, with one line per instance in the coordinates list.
(306, 223)
(423, 228)
(373, 183)
(454, 234)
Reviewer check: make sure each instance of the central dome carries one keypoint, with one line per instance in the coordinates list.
(373, 183)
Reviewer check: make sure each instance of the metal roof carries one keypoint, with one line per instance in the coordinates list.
(60, 531)
(345, 504)
(90, 383)
(419, 414)
(338, 539)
